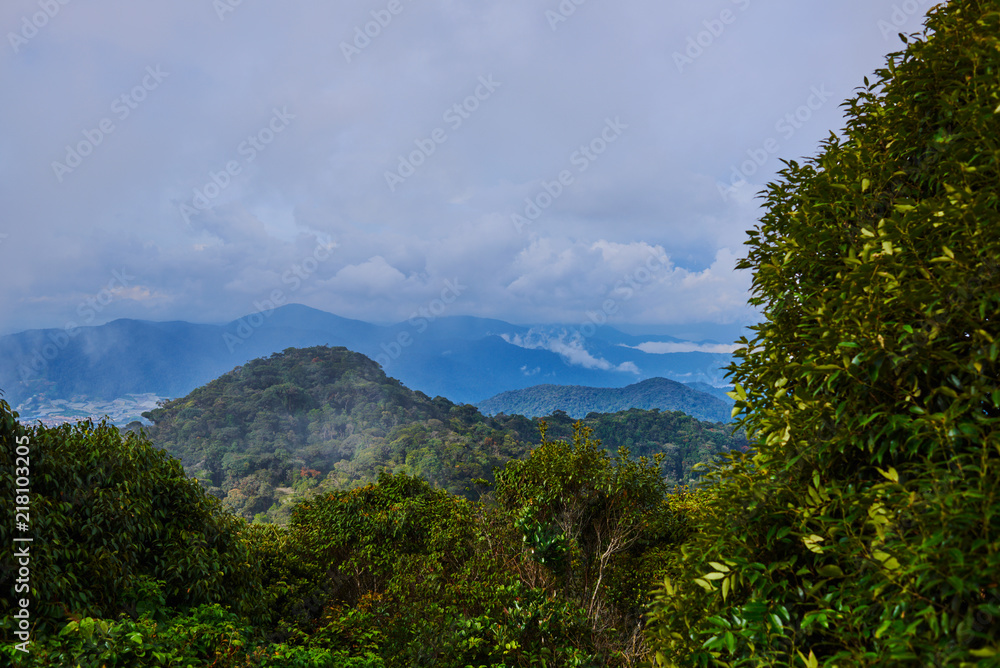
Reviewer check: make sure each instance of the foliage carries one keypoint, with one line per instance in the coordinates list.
(207, 635)
(139, 566)
(864, 531)
(683, 441)
(589, 519)
(415, 563)
(117, 527)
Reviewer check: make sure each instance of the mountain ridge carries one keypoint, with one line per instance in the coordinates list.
(465, 358)
(579, 401)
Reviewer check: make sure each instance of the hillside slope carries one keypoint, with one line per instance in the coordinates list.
(577, 401)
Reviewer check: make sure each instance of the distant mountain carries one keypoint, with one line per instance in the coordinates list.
(718, 392)
(330, 418)
(463, 358)
(577, 402)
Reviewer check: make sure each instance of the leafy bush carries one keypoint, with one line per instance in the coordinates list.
(118, 528)
(864, 531)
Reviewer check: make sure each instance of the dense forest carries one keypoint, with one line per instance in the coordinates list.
(660, 393)
(134, 563)
(320, 419)
(861, 528)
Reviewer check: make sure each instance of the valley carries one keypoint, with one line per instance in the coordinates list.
(119, 411)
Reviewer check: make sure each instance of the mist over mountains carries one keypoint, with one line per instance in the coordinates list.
(465, 359)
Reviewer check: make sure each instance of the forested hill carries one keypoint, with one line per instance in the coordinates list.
(577, 401)
(329, 418)
(319, 414)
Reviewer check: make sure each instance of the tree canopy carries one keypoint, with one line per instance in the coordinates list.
(864, 528)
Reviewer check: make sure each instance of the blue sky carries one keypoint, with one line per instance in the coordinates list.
(203, 159)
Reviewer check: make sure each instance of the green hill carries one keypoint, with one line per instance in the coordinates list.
(287, 423)
(577, 401)
(327, 418)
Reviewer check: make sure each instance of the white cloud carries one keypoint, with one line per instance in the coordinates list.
(372, 277)
(568, 346)
(664, 348)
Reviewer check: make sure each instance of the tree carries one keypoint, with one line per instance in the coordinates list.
(581, 513)
(115, 524)
(864, 529)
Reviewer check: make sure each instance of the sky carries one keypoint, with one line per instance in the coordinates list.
(533, 160)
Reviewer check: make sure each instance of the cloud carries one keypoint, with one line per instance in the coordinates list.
(664, 348)
(373, 277)
(568, 346)
(209, 126)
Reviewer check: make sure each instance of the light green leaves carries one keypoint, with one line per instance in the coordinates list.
(812, 543)
(889, 474)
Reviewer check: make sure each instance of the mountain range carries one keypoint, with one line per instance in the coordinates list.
(465, 359)
(578, 402)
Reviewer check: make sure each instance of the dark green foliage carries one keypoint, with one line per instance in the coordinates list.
(865, 529)
(577, 401)
(683, 441)
(117, 527)
(422, 567)
(207, 635)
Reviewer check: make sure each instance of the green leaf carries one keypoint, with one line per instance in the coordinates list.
(704, 584)
(890, 474)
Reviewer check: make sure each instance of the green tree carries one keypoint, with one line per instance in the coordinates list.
(117, 526)
(586, 516)
(864, 530)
